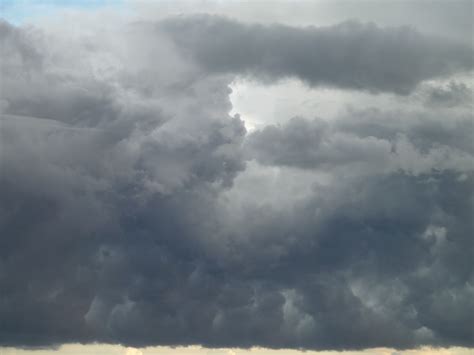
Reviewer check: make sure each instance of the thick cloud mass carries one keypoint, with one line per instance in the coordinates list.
(131, 206)
(348, 55)
(416, 143)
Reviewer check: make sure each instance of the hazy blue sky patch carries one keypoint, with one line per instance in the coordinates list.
(19, 11)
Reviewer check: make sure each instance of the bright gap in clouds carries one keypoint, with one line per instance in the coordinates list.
(263, 104)
(102, 349)
(23, 11)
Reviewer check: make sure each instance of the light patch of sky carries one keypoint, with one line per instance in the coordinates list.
(94, 349)
(260, 104)
(20, 11)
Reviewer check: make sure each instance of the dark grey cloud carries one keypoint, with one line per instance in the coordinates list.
(119, 160)
(349, 55)
(452, 95)
(369, 141)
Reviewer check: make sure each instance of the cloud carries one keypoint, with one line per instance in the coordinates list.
(132, 351)
(369, 141)
(349, 55)
(452, 95)
(120, 164)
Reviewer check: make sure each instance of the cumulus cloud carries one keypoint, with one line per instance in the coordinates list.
(370, 141)
(129, 213)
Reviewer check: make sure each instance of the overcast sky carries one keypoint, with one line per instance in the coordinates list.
(232, 175)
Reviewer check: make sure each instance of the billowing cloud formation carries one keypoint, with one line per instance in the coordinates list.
(348, 55)
(127, 215)
(413, 142)
(452, 95)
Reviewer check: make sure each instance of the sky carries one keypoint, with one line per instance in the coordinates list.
(236, 177)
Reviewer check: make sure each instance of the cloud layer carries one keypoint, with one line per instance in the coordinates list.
(348, 55)
(131, 201)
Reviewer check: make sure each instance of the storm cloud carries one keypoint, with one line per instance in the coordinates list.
(348, 55)
(135, 209)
